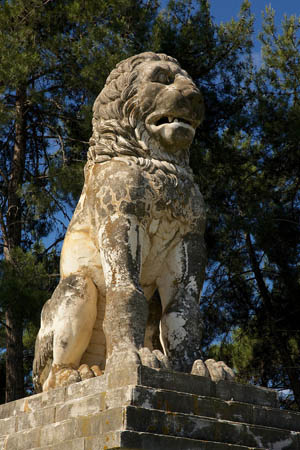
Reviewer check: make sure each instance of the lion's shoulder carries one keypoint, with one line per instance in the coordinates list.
(116, 187)
(116, 172)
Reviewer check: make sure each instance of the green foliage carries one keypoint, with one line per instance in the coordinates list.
(24, 283)
(252, 188)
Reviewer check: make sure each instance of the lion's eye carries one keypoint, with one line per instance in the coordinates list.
(164, 78)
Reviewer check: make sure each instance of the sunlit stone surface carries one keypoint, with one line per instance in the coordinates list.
(137, 229)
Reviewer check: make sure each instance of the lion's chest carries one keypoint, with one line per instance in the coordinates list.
(175, 212)
(176, 202)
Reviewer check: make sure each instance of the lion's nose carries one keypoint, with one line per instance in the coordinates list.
(187, 93)
(184, 98)
(194, 97)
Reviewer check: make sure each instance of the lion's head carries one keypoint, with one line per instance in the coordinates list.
(149, 107)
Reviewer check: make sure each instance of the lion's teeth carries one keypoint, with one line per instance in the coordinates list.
(170, 119)
(176, 120)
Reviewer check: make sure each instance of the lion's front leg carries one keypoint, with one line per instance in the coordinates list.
(179, 288)
(181, 328)
(120, 239)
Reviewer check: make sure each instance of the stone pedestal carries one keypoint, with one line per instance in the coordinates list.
(141, 408)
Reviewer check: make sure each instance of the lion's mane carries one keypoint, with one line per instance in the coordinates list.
(118, 128)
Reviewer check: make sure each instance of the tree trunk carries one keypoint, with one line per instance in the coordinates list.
(14, 356)
(14, 212)
(14, 327)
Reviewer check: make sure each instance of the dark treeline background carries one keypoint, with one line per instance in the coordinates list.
(54, 58)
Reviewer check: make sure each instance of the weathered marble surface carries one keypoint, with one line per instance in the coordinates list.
(149, 409)
(138, 227)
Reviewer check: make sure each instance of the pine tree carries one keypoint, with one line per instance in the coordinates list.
(254, 230)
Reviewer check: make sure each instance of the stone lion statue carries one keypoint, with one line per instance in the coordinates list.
(137, 229)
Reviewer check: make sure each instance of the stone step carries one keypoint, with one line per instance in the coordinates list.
(134, 440)
(175, 381)
(147, 441)
(85, 406)
(166, 400)
(54, 433)
(140, 408)
(208, 429)
(34, 402)
(143, 376)
(192, 384)
(102, 427)
(74, 444)
(158, 399)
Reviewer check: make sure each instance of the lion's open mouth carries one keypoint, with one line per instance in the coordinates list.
(170, 127)
(166, 120)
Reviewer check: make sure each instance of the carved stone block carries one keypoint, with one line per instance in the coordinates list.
(142, 408)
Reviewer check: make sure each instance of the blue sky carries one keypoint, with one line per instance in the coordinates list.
(225, 10)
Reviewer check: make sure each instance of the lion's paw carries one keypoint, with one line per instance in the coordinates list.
(133, 356)
(155, 359)
(216, 370)
(63, 375)
(66, 376)
(87, 372)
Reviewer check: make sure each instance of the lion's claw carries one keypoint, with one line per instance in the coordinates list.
(163, 359)
(216, 370)
(200, 369)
